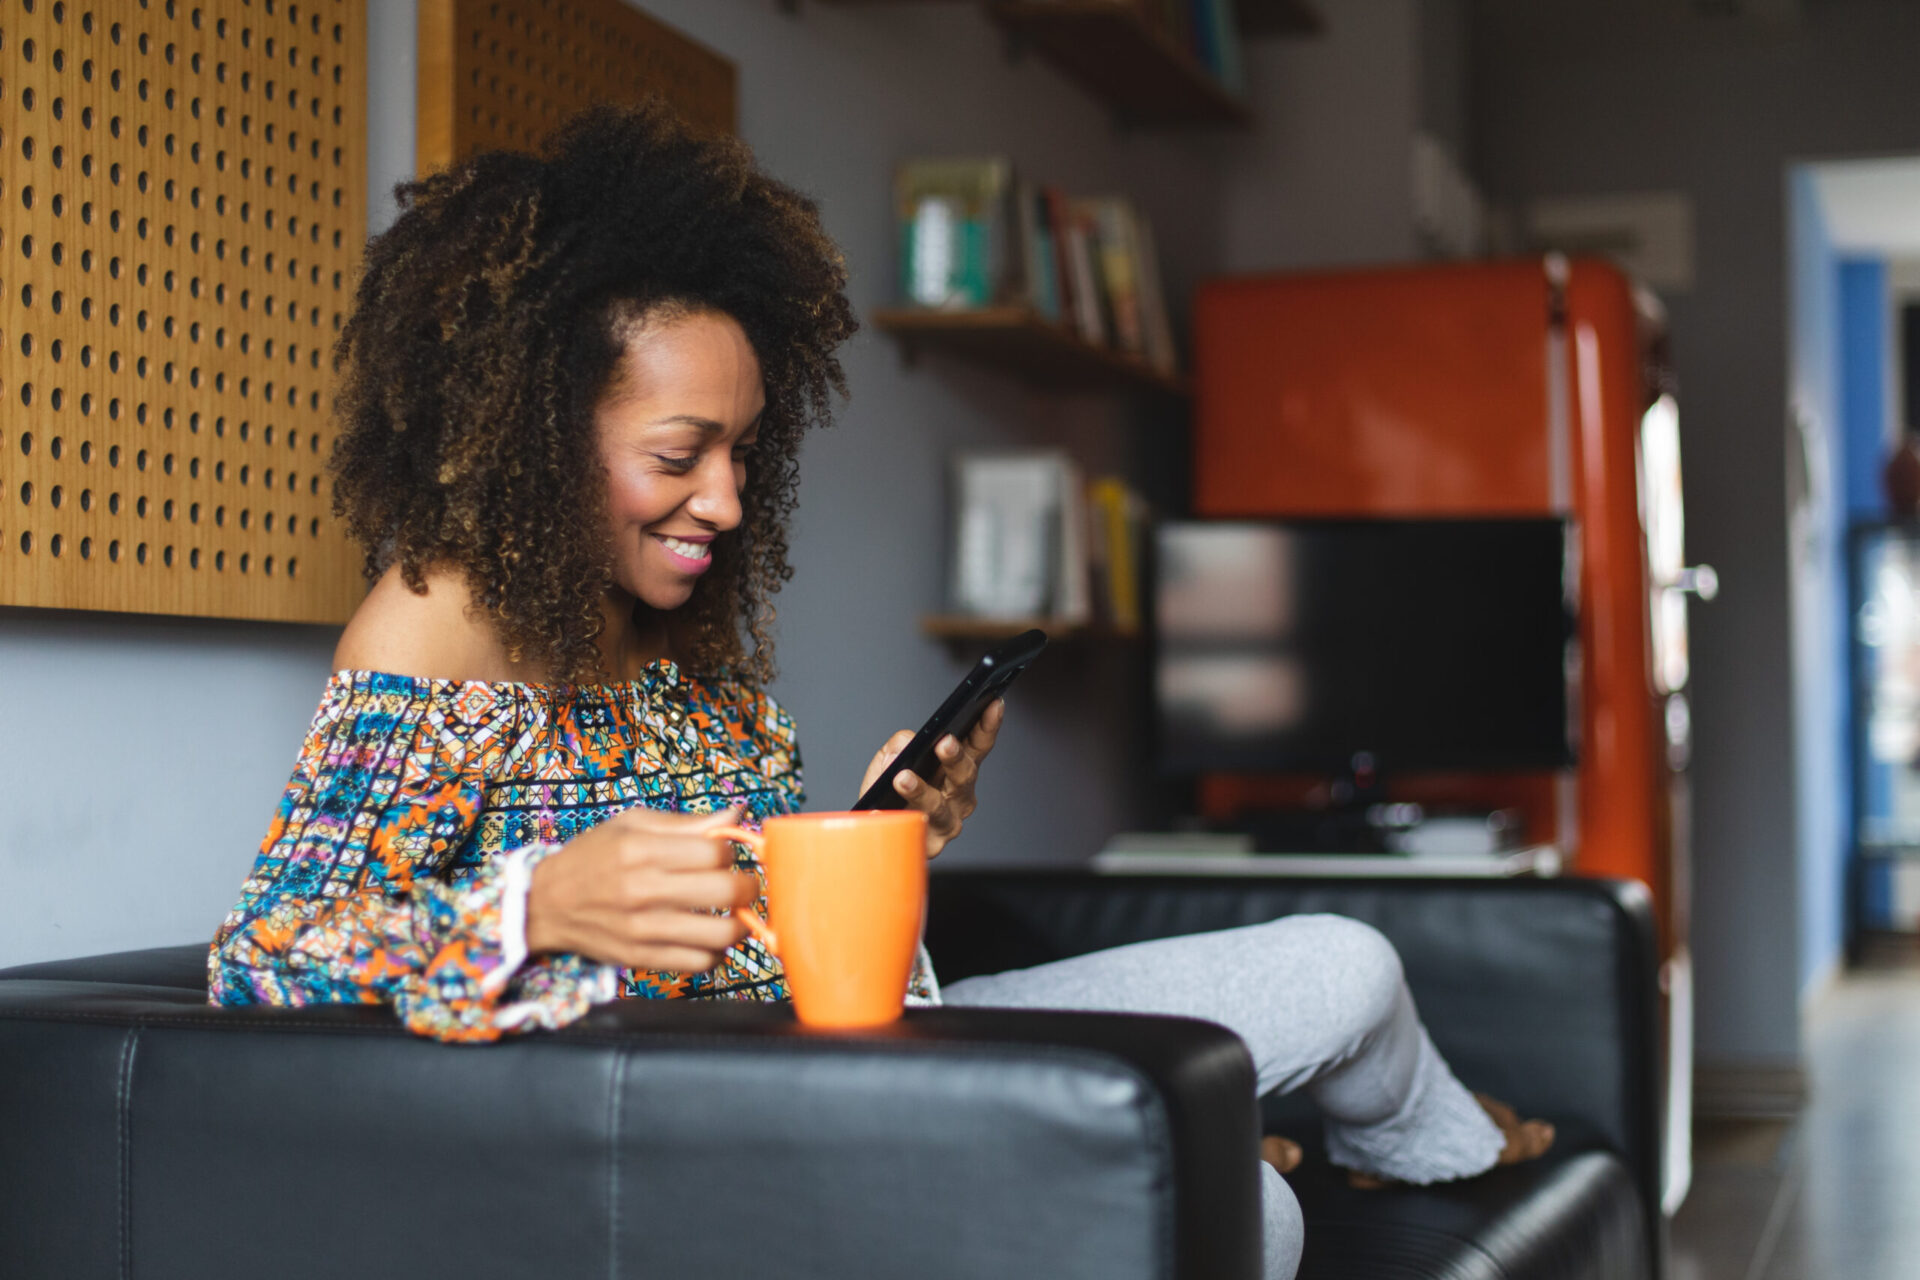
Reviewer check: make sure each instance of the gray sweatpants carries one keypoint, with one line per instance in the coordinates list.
(1322, 1004)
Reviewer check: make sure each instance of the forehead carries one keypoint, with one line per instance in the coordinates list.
(699, 363)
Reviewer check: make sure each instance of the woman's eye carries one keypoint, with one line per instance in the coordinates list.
(676, 462)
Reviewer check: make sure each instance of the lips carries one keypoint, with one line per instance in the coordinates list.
(687, 555)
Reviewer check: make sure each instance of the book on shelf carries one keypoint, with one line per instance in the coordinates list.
(954, 233)
(1229, 65)
(1039, 270)
(1200, 14)
(1153, 302)
(1117, 525)
(1006, 517)
(1083, 273)
(1032, 538)
(1113, 221)
(1207, 30)
(1126, 291)
(974, 233)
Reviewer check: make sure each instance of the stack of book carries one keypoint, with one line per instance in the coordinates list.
(1032, 538)
(973, 233)
(1209, 29)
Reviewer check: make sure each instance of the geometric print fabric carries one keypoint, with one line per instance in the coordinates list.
(383, 873)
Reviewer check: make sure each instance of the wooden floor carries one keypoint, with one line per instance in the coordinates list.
(1835, 1193)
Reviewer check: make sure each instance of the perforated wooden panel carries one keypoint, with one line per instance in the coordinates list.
(182, 203)
(503, 73)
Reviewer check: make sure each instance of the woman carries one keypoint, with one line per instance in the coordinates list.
(575, 387)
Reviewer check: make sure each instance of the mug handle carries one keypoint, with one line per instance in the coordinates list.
(747, 915)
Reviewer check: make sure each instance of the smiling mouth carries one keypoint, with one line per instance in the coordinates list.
(688, 551)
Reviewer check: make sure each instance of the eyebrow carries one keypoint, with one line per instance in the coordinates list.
(707, 425)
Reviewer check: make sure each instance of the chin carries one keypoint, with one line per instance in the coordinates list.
(666, 602)
(661, 596)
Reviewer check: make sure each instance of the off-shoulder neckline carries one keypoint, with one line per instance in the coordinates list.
(660, 672)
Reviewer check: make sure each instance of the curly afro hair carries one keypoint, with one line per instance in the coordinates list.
(489, 323)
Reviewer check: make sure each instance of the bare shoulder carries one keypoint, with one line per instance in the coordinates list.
(432, 634)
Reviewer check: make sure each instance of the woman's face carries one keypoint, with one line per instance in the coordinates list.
(674, 432)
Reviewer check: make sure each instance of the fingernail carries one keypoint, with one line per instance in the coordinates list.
(908, 783)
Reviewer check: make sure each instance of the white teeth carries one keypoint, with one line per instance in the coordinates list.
(691, 550)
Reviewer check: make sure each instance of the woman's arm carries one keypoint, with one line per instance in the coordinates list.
(352, 901)
(348, 901)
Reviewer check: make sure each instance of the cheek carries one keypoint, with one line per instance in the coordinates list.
(634, 498)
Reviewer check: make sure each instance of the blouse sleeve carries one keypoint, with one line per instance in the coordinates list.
(353, 900)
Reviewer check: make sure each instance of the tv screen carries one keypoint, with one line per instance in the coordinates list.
(1429, 644)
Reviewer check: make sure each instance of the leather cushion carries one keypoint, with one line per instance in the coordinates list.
(1536, 991)
(655, 1136)
(183, 967)
(1574, 1215)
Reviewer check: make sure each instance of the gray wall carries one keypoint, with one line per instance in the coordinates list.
(142, 757)
(1324, 181)
(1588, 98)
(831, 100)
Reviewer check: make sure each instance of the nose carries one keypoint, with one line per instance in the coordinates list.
(716, 498)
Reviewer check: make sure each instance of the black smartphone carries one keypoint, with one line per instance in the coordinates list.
(988, 680)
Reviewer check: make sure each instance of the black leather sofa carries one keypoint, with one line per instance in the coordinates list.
(145, 1134)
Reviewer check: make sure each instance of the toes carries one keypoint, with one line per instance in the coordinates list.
(1282, 1153)
(1367, 1181)
(1502, 1114)
(1527, 1141)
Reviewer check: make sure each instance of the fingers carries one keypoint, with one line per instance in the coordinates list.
(942, 819)
(684, 929)
(671, 959)
(958, 767)
(888, 750)
(693, 890)
(884, 757)
(676, 854)
(649, 839)
(987, 728)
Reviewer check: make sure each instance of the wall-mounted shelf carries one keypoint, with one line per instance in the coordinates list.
(1020, 341)
(1260, 18)
(1117, 55)
(969, 628)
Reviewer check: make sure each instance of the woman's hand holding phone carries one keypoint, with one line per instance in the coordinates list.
(948, 801)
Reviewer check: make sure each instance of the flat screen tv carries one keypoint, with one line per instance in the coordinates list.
(1428, 644)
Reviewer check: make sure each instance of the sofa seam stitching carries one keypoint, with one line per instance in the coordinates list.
(616, 1091)
(125, 1126)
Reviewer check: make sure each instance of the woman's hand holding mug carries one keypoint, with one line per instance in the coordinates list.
(639, 891)
(848, 897)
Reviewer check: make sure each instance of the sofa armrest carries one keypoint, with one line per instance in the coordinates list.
(653, 1138)
(1541, 992)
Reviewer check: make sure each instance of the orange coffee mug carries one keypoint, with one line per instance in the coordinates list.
(847, 893)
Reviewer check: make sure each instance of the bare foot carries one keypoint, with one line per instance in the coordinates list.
(1525, 1140)
(1282, 1153)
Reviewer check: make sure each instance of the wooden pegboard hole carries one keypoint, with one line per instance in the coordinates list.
(181, 175)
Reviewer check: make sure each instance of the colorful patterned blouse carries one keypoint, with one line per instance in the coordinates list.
(397, 866)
